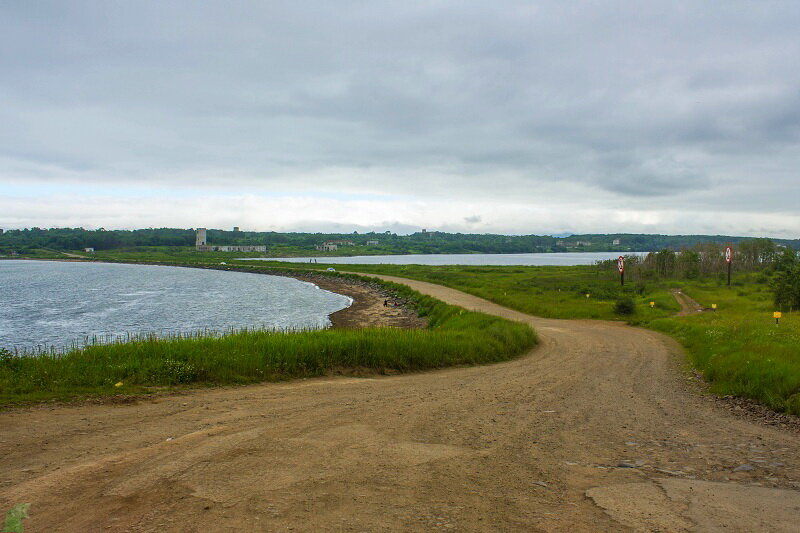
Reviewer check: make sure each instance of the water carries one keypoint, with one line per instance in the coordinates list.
(48, 304)
(554, 259)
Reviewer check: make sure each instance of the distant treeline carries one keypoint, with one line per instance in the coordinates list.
(359, 243)
(749, 255)
(779, 266)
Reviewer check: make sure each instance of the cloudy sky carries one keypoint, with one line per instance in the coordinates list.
(504, 117)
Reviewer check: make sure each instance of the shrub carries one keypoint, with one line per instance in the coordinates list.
(625, 306)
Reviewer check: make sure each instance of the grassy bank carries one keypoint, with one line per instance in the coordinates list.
(739, 349)
(453, 337)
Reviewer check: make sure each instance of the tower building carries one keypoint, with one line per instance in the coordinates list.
(200, 239)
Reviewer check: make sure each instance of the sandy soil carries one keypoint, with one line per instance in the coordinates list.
(597, 429)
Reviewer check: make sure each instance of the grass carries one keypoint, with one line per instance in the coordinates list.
(739, 349)
(453, 337)
(546, 291)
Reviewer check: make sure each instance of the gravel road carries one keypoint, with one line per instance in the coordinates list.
(600, 428)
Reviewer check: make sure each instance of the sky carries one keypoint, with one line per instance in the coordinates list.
(513, 117)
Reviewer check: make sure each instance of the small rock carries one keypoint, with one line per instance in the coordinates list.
(170, 438)
(540, 483)
(744, 468)
(626, 464)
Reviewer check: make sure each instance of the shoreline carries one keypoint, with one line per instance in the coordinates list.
(366, 309)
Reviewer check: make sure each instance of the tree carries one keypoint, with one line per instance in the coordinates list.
(689, 263)
(665, 262)
(786, 282)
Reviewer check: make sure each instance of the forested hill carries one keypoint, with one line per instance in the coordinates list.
(424, 242)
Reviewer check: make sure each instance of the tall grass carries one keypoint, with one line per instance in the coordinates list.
(739, 349)
(453, 337)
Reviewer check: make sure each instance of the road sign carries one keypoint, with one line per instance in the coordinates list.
(776, 314)
(621, 264)
(714, 307)
(652, 304)
(728, 259)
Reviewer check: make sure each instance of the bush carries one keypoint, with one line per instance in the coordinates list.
(7, 359)
(625, 306)
(786, 283)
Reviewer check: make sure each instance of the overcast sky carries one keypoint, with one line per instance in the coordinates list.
(502, 116)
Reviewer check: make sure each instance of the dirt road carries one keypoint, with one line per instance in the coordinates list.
(688, 305)
(597, 429)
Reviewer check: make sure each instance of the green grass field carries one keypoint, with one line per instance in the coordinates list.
(453, 337)
(739, 349)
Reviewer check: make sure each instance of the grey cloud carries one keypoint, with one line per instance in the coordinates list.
(656, 99)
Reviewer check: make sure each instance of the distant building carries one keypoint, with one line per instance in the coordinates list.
(236, 228)
(615, 242)
(326, 247)
(201, 245)
(233, 248)
(560, 243)
(582, 243)
(373, 243)
(89, 250)
(1, 231)
(341, 243)
(200, 238)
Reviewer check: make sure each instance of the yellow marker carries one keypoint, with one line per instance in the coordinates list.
(776, 314)
(118, 384)
(714, 307)
(587, 294)
(652, 304)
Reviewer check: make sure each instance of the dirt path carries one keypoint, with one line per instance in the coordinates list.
(688, 305)
(595, 430)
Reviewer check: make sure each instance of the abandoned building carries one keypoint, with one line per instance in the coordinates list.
(201, 245)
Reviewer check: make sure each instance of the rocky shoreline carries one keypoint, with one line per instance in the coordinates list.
(367, 309)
